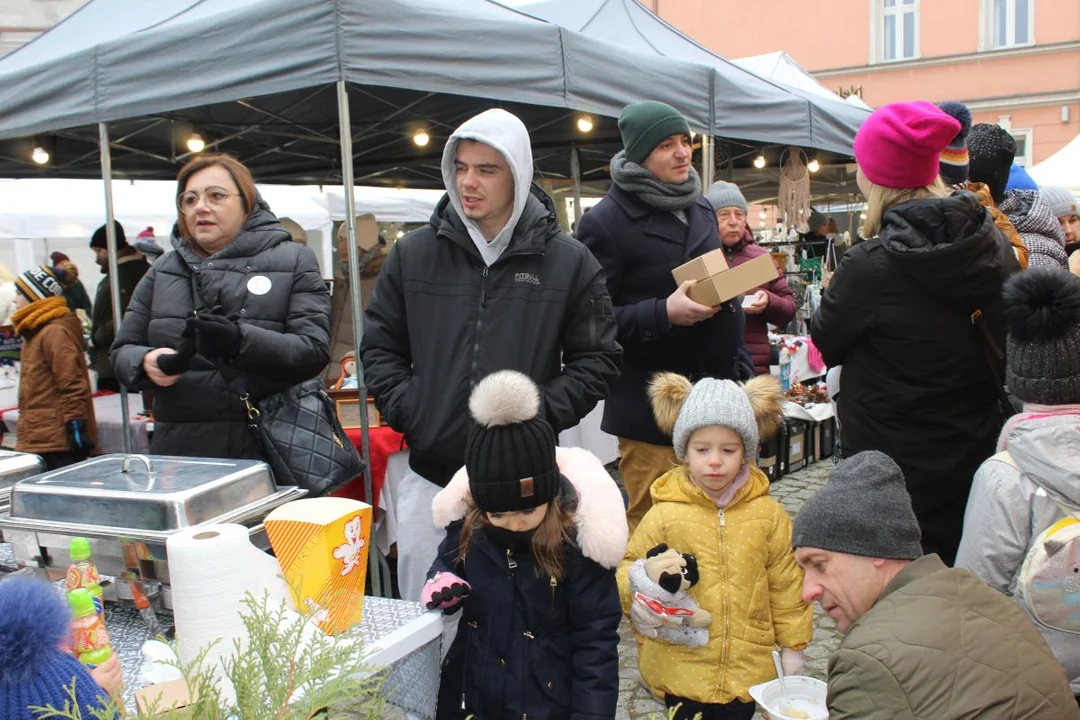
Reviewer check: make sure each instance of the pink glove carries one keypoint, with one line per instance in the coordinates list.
(444, 591)
(793, 661)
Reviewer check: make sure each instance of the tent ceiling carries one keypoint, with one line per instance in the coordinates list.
(174, 64)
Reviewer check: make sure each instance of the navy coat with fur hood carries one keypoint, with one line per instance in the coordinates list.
(526, 645)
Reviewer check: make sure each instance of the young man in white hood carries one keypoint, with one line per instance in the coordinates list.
(491, 283)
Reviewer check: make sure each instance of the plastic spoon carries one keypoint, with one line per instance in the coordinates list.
(780, 676)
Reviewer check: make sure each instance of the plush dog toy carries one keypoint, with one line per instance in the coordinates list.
(661, 582)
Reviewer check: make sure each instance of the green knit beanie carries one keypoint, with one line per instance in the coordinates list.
(645, 125)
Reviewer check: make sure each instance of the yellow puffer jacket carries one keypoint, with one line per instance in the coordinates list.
(749, 582)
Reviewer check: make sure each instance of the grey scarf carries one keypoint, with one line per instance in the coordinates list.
(653, 191)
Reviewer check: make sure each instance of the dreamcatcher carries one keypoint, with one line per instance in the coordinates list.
(794, 198)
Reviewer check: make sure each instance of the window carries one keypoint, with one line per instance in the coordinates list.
(1012, 23)
(898, 29)
(1023, 147)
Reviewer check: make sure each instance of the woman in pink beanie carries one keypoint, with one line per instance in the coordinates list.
(919, 383)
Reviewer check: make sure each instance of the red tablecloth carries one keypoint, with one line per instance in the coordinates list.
(384, 440)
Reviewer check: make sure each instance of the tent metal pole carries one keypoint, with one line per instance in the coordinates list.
(114, 272)
(345, 135)
(575, 172)
(707, 161)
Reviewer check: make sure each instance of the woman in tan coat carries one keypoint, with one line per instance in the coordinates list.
(56, 410)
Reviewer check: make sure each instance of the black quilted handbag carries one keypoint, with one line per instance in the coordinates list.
(302, 437)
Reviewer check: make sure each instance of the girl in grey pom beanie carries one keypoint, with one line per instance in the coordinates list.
(716, 508)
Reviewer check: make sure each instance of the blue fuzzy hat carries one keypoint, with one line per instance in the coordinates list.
(34, 670)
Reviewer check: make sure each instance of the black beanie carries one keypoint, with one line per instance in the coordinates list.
(991, 150)
(1043, 309)
(100, 240)
(510, 453)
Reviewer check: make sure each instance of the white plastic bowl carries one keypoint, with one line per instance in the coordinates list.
(805, 693)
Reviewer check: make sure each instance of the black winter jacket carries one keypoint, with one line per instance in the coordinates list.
(440, 320)
(638, 248)
(130, 269)
(528, 646)
(285, 335)
(916, 383)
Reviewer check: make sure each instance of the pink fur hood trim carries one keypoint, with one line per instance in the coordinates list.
(601, 516)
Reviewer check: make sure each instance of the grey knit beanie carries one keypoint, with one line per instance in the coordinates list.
(724, 195)
(864, 509)
(1043, 310)
(1061, 200)
(716, 402)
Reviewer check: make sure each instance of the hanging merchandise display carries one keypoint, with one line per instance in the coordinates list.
(794, 195)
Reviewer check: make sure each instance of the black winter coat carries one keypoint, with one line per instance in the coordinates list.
(285, 336)
(528, 646)
(638, 247)
(130, 269)
(916, 383)
(440, 320)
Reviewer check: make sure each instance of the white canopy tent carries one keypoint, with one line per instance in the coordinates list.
(1062, 168)
(781, 68)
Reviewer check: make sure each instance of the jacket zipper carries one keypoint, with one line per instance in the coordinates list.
(554, 585)
(724, 592)
(510, 562)
(479, 321)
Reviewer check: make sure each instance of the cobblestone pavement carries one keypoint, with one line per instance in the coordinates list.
(635, 702)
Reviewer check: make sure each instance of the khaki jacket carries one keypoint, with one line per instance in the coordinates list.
(54, 387)
(940, 644)
(749, 582)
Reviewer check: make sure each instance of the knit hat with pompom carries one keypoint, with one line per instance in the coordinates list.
(1043, 309)
(510, 454)
(34, 670)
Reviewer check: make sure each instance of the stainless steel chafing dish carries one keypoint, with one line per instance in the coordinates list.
(135, 498)
(16, 466)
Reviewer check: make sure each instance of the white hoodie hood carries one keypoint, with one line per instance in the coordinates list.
(507, 134)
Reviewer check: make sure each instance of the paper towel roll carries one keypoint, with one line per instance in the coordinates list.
(212, 569)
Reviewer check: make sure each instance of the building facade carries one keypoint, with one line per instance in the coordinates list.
(1013, 62)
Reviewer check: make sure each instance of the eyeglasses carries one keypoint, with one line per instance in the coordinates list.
(728, 214)
(215, 197)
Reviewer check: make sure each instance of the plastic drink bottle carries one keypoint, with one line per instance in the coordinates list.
(785, 369)
(90, 639)
(83, 573)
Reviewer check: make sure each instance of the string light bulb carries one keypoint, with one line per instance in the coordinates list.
(584, 124)
(762, 215)
(759, 162)
(813, 166)
(195, 143)
(421, 138)
(40, 155)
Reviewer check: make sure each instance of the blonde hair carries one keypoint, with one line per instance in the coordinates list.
(879, 199)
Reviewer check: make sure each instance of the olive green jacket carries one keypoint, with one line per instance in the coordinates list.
(940, 644)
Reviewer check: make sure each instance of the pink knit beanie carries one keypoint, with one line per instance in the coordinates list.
(899, 145)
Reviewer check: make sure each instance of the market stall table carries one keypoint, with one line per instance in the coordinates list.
(399, 635)
(109, 424)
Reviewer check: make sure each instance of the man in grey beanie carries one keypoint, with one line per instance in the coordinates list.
(920, 639)
(772, 303)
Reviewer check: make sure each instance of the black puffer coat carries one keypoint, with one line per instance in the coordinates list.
(440, 320)
(638, 248)
(284, 330)
(916, 383)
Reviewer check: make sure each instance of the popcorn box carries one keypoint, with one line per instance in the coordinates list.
(321, 545)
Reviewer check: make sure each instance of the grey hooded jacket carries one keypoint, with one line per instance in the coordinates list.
(1010, 506)
(284, 323)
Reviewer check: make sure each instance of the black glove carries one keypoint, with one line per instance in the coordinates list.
(216, 336)
(78, 436)
(178, 364)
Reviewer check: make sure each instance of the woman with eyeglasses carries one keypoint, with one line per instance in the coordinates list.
(237, 307)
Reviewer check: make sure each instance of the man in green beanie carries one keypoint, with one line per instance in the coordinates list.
(652, 220)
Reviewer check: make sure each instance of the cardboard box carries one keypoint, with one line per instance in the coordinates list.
(723, 286)
(160, 698)
(701, 268)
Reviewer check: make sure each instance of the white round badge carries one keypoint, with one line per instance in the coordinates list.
(259, 285)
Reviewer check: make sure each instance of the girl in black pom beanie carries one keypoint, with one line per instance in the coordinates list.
(1034, 481)
(35, 669)
(533, 536)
